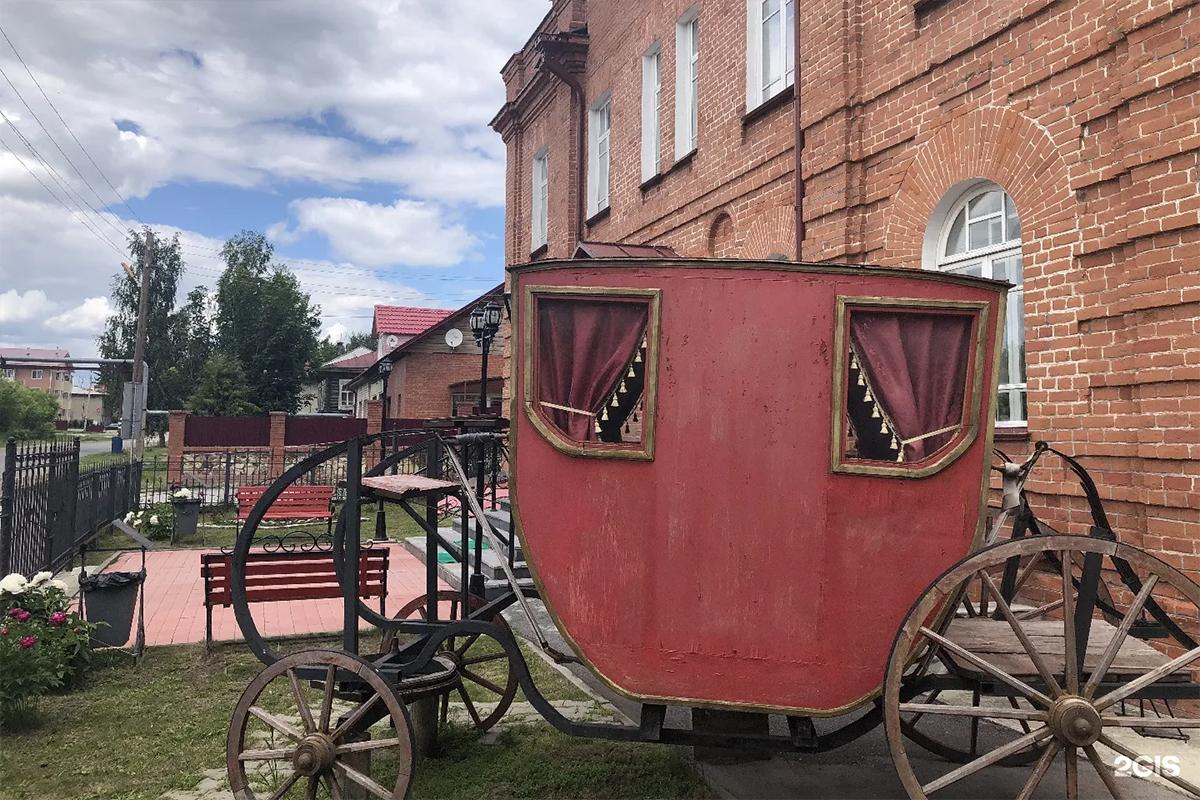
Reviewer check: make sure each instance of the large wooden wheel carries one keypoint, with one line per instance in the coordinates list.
(1044, 704)
(289, 738)
(484, 674)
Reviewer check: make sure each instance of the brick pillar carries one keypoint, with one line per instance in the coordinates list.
(371, 454)
(278, 434)
(176, 431)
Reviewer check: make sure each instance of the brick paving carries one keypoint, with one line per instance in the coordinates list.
(175, 599)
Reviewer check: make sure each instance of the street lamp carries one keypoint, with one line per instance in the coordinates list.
(385, 369)
(485, 324)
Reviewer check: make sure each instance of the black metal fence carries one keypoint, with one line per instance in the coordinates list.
(49, 506)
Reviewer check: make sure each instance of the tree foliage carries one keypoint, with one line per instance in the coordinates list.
(221, 390)
(266, 322)
(25, 413)
(327, 349)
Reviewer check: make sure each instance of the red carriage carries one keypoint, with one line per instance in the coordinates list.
(758, 486)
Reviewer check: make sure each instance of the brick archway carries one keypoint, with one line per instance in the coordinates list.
(773, 233)
(996, 144)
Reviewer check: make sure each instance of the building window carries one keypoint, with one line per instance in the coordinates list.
(541, 209)
(35, 375)
(599, 124)
(980, 235)
(345, 395)
(651, 91)
(11, 374)
(770, 49)
(687, 83)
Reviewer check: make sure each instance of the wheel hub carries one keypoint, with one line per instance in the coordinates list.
(314, 754)
(1075, 721)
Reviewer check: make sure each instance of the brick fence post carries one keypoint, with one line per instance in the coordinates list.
(176, 433)
(371, 454)
(278, 438)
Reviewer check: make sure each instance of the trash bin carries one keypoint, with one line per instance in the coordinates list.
(110, 598)
(117, 444)
(187, 516)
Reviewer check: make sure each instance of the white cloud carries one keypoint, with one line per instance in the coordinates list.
(17, 307)
(406, 232)
(86, 318)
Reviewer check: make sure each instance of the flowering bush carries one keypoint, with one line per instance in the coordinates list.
(182, 493)
(156, 522)
(43, 644)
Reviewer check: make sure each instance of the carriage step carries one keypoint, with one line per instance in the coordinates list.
(501, 521)
(453, 538)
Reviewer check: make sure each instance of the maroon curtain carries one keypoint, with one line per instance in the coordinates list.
(584, 347)
(916, 366)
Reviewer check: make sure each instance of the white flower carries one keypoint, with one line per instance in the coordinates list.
(13, 584)
(183, 494)
(40, 578)
(57, 584)
(154, 519)
(129, 518)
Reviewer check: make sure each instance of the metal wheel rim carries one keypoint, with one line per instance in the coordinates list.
(944, 589)
(482, 722)
(337, 777)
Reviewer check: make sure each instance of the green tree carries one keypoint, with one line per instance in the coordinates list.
(266, 322)
(191, 336)
(161, 347)
(222, 390)
(25, 413)
(327, 349)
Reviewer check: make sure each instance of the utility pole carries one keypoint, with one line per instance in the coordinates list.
(138, 409)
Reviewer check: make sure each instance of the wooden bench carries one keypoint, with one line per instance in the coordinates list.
(294, 575)
(295, 502)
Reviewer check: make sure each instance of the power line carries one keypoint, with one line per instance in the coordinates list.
(65, 125)
(70, 210)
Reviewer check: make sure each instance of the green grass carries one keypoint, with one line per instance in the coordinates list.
(132, 732)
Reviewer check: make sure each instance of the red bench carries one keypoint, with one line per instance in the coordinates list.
(295, 575)
(295, 502)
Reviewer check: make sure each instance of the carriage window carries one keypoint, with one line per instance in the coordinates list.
(905, 386)
(592, 380)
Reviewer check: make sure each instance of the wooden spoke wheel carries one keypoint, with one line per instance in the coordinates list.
(1023, 655)
(484, 674)
(289, 738)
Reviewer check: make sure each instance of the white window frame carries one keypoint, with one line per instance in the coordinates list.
(760, 86)
(11, 374)
(342, 392)
(599, 154)
(651, 96)
(539, 227)
(35, 374)
(687, 79)
(984, 261)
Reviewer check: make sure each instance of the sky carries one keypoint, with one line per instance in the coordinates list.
(354, 134)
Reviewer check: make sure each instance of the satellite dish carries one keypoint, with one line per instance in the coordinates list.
(392, 341)
(454, 337)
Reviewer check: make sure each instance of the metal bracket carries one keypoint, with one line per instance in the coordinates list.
(803, 733)
(652, 722)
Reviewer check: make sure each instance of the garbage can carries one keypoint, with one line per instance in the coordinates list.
(187, 516)
(117, 444)
(110, 598)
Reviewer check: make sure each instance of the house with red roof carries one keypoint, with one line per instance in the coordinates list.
(433, 372)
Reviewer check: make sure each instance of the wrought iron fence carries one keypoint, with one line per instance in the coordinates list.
(49, 506)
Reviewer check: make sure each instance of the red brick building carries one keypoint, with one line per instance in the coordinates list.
(50, 376)
(1050, 142)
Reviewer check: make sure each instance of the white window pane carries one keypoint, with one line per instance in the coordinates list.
(956, 242)
(1008, 268)
(1016, 332)
(771, 32)
(1004, 407)
(789, 42)
(979, 234)
(986, 203)
(1013, 222)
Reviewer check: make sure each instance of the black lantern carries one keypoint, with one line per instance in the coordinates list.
(485, 324)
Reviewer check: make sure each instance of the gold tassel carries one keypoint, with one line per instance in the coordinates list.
(896, 444)
(621, 388)
(861, 380)
(638, 358)
(875, 412)
(615, 402)
(604, 415)
(631, 374)
(597, 426)
(867, 395)
(900, 457)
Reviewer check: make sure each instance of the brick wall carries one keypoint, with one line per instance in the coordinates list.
(1085, 111)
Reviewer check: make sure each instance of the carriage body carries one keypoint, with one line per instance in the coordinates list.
(722, 490)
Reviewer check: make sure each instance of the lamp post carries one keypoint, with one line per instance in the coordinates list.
(385, 369)
(485, 324)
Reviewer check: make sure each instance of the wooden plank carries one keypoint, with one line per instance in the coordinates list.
(400, 486)
(995, 642)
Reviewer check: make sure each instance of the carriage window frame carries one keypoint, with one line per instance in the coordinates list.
(636, 451)
(976, 367)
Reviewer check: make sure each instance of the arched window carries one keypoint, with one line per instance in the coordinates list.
(979, 233)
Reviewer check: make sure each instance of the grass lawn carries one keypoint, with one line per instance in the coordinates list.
(136, 731)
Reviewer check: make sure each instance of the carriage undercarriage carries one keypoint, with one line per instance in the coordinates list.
(1027, 679)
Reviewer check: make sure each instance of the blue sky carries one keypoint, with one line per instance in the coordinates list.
(353, 134)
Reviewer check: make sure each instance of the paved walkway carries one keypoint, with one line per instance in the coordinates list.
(175, 599)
